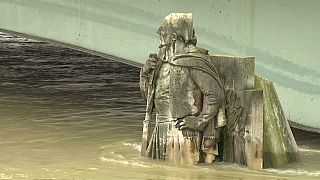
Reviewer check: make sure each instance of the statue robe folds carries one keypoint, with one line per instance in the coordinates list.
(187, 86)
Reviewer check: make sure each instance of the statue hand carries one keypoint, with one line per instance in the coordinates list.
(150, 64)
(189, 122)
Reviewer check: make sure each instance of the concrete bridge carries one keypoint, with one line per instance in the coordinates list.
(282, 35)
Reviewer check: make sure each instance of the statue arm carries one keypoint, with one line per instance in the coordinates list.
(146, 73)
(213, 97)
(144, 82)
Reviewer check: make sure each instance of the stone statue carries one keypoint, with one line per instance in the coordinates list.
(185, 97)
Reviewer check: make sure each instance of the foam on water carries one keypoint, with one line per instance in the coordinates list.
(309, 150)
(135, 146)
(124, 162)
(117, 155)
(5, 176)
(294, 172)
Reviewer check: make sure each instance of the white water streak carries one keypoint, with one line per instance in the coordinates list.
(295, 172)
(309, 150)
(135, 146)
(123, 162)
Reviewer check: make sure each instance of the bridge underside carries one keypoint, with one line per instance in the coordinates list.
(282, 35)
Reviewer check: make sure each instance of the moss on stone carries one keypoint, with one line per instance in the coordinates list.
(279, 145)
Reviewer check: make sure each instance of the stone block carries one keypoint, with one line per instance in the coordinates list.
(237, 73)
(280, 147)
(243, 135)
(253, 132)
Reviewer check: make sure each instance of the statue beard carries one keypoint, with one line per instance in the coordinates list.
(165, 51)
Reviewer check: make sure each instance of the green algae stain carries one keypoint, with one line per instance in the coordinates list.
(280, 147)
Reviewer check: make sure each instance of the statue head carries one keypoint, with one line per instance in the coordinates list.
(177, 26)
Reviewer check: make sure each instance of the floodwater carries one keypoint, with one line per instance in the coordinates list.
(65, 114)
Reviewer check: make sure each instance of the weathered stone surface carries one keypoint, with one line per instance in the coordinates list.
(233, 134)
(279, 146)
(243, 135)
(257, 133)
(237, 73)
(253, 103)
(186, 94)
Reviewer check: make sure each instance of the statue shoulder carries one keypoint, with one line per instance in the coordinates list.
(198, 50)
(194, 56)
(197, 59)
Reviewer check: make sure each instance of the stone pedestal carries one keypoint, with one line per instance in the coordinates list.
(252, 136)
(237, 73)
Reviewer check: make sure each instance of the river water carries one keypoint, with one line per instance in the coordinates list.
(65, 114)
